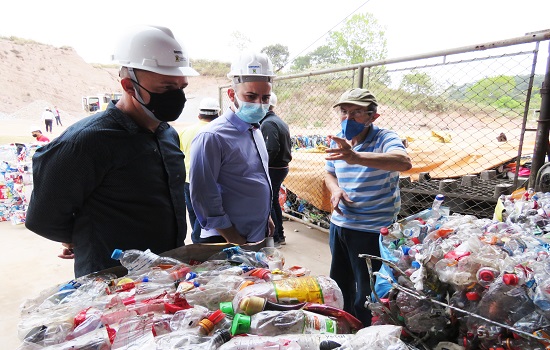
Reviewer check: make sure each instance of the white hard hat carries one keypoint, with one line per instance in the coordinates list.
(209, 106)
(153, 49)
(273, 99)
(251, 66)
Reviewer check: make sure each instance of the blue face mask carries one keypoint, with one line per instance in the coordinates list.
(251, 112)
(351, 128)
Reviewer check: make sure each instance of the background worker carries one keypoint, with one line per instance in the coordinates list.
(57, 116)
(229, 181)
(47, 117)
(363, 165)
(277, 141)
(116, 179)
(37, 134)
(209, 109)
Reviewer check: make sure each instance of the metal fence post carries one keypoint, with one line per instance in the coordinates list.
(360, 77)
(541, 142)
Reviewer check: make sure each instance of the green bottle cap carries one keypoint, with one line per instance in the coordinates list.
(227, 308)
(240, 324)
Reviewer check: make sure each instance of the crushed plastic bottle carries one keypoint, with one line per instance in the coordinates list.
(136, 260)
(287, 322)
(292, 290)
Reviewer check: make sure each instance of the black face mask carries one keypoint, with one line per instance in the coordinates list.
(167, 106)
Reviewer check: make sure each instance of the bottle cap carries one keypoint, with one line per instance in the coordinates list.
(415, 240)
(510, 279)
(473, 296)
(206, 326)
(261, 273)
(190, 275)
(405, 250)
(227, 308)
(117, 253)
(245, 284)
(216, 316)
(67, 286)
(384, 231)
(440, 197)
(252, 305)
(486, 275)
(240, 324)
(415, 264)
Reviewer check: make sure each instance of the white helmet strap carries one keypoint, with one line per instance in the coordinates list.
(138, 96)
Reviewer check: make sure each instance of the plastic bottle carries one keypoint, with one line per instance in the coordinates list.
(286, 322)
(404, 258)
(391, 237)
(242, 256)
(486, 275)
(506, 300)
(207, 324)
(436, 206)
(292, 290)
(284, 342)
(252, 305)
(136, 260)
(413, 231)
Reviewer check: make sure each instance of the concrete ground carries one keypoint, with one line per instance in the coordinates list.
(29, 264)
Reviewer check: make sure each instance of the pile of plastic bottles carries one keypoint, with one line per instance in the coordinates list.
(163, 303)
(15, 181)
(480, 283)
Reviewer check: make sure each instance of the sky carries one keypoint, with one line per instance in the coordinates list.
(205, 27)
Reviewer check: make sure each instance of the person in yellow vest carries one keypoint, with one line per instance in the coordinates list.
(209, 109)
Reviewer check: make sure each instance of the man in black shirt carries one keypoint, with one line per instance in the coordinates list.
(116, 179)
(277, 141)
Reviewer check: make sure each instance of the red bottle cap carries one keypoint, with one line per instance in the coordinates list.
(473, 296)
(384, 231)
(486, 275)
(510, 279)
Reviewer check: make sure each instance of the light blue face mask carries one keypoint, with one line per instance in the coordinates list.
(251, 112)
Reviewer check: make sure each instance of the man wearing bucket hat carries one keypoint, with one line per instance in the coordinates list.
(363, 165)
(229, 180)
(209, 109)
(116, 179)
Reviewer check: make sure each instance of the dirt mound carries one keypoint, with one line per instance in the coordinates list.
(32, 73)
(35, 75)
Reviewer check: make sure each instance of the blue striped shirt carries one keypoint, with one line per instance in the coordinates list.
(374, 192)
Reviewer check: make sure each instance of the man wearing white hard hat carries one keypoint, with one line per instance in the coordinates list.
(229, 177)
(209, 109)
(115, 180)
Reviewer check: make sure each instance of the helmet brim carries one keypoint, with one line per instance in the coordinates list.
(171, 71)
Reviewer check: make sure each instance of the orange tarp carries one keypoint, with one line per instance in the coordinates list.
(436, 155)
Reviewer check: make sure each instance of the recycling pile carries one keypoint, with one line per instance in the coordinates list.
(15, 181)
(163, 303)
(478, 282)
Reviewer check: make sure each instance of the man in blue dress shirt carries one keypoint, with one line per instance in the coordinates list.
(229, 176)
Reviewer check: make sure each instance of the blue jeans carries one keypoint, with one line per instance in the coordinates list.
(277, 177)
(350, 271)
(193, 222)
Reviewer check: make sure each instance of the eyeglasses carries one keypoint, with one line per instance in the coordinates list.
(355, 113)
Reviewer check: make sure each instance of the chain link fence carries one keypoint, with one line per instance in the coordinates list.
(467, 117)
